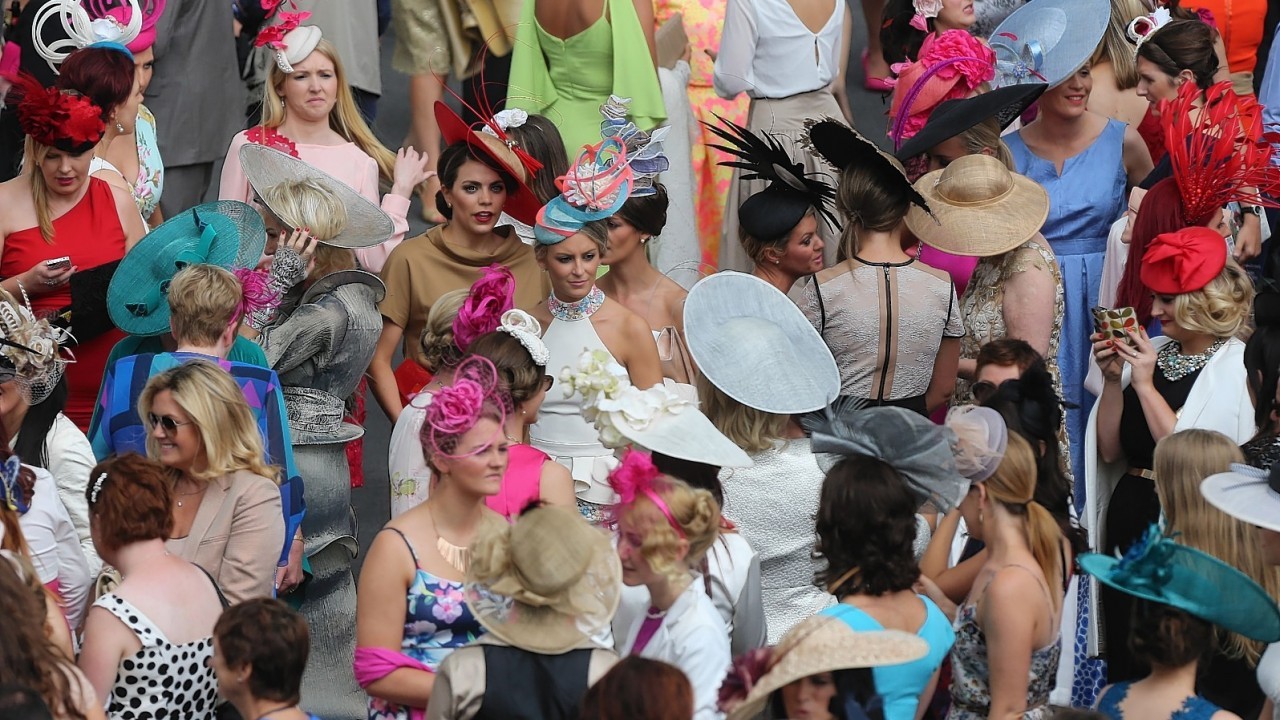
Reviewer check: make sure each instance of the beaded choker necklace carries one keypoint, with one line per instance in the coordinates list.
(584, 308)
(1175, 366)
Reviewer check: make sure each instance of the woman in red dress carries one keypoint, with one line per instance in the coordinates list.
(56, 211)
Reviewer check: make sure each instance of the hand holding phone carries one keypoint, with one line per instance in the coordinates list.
(1115, 323)
(61, 263)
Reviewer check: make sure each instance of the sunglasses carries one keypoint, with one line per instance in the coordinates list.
(168, 423)
(984, 390)
(547, 383)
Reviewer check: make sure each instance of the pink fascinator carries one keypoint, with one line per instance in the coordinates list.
(951, 66)
(121, 12)
(256, 291)
(481, 313)
(636, 476)
(456, 409)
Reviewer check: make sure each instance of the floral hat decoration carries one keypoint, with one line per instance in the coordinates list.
(952, 65)
(596, 186)
(457, 408)
(636, 476)
(82, 30)
(488, 299)
(1047, 41)
(1141, 28)
(57, 118)
(122, 13)
(926, 10)
(32, 348)
(290, 40)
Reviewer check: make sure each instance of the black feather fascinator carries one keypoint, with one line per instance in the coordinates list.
(842, 147)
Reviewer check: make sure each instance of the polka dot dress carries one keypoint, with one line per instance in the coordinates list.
(161, 680)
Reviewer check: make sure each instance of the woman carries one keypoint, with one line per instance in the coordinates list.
(1193, 377)
(106, 76)
(757, 52)
(823, 669)
(162, 612)
(410, 610)
(778, 226)
(1115, 71)
(664, 529)
(1007, 631)
(58, 211)
(135, 151)
(482, 177)
(515, 349)
(866, 531)
(260, 649)
(28, 658)
(908, 23)
(226, 510)
(916, 304)
(308, 112)
(564, 51)
(741, 329)
(639, 689)
(542, 587)
(1183, 460)
(577, 316)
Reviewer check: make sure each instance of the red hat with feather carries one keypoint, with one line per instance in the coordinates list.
(521, 204)
(62, 119)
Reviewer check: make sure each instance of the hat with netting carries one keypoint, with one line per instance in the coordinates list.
(31, 350)
(981, 437)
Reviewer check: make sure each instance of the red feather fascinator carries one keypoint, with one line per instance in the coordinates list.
(64, 120)
(1223, 154)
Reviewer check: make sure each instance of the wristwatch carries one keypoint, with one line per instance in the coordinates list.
(1255, 210)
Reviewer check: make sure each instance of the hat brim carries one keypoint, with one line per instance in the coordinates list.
(265, 167)
(1247, 499)
(1065, 34)
(841, 147)
(521, 203)
(239, 239)
(687, 434)
(345, 277)
(954, 117)
(991, 229)
(345, 433)
(757, 347)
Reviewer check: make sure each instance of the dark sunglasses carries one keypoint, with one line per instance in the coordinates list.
(169, 424)
(547, 383)
(984, 390)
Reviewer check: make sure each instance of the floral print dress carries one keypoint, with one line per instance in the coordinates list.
(436, 622)
(149, 184)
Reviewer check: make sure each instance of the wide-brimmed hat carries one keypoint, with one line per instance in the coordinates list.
(757, 347)
(1160, 570)
(820, 644)
(953, 117)
(545, 584)
(225, 233)
(521, 203)
(267, 167)
(1047, 41)
(841, 146)
(1247, 494)
(980, 208)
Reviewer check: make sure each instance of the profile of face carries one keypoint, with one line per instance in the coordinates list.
(481, 459)
(1070, 98)
(950, 150)
(1218, 223)
(635, 522)
(810, 698)
(530, 407)
(65, 174)
(233, 683)
(624, 239)
(801, 254)
(571, 264)
(1162, 309)
(477, 197)
(177, 437)
(1155, 84)
(144, 66)
(973, 509)
(955, 15)
(311, 90)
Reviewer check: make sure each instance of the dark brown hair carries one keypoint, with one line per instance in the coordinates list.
(1164, 635)
(27, 657)
(540, 137)
(639, 689)
(1007, 352)
(869, 203)
(451, 162)
(647, 213)
(134, 503)
(866, 521)
(1183, 45)
(521, 377)
(272, 639)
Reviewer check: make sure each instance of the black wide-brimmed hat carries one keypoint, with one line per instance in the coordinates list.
(955, 116)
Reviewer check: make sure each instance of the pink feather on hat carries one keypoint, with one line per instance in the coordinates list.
(481, 313)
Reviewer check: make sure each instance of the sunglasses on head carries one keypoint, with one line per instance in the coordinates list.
(984, 390)
(168, 423)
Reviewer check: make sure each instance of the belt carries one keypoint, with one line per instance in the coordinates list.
(314, 411)
(1142, 473)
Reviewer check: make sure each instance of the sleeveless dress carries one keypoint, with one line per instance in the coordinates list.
(521, 483)
(1084, 199)
(161, 679)
(149, 184)
(900, 685)
(436, 622)
(91, 234)
(1193, 708)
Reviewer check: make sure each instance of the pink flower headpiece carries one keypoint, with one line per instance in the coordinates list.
(256, 291)
(491, 296)
(456, 409)
(925, 10)
(745, 671)
(636, 476)
(951, 66)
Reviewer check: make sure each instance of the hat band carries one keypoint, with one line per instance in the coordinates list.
(976, 203)
(313, 411)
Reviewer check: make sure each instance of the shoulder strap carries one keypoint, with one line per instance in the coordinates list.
(148, 634)
(407, 544)
(822, 307)
(221, 598)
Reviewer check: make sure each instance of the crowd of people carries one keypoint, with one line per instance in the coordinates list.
(705, 404)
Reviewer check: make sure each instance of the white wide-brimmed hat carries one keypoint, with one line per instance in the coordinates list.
(1047, 41)
(757, 347)
(1247, 494)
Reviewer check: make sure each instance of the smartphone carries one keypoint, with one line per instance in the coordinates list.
(61, 263)
(1115, 322)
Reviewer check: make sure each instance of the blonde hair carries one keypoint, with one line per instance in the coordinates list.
(697, 513)
(986, 136)
(35, 154)
(750, 429)
(438, 347)
(1013, 485)
(345, 118)
(309, 204)
(1221, 308)
(228, 432)
(1116, 48)
(203, 301)
(1182, 461)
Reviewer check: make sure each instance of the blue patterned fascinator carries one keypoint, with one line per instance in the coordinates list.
(10, 489)
(1157, 569)
(1046, 41)
(595, 187)
(645, 153)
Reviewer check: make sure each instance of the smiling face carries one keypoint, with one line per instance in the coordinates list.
(955, 15)
(311, 90)
(810, 698)
(571, 264)
(65, 174)
(477, 197)
(182, 447)
(1070, 98)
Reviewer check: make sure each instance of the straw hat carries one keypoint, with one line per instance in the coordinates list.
(546, 584)
(981, 208)
(820, 644)
(1046, 41)
(267, 167)
(756, 346)
(1247, 494)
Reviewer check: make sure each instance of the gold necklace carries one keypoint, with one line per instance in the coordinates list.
(176, 494)
(458, 556)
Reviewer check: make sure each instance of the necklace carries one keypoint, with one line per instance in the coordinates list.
(458, 556)
(584, 308)
(1175, 366)
(197, 491)
(272, 712)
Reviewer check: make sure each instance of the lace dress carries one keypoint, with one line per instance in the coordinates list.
(1193, 708)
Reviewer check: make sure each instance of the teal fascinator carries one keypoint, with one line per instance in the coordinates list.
(594, 188)
(1160, 570)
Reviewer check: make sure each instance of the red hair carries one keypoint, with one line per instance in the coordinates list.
(132, 503)
(1160, 212)
(103, 75)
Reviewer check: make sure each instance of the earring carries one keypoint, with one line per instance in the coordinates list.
(981, 516)
(644, 239)
(777, 262)
(119, 128)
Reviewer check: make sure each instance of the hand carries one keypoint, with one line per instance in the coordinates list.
(292, 260)
(41, 279)
(1248, 240)
(1109, 361)
(412, 168)
(289, 576)
(711, 54)
(1141, 356)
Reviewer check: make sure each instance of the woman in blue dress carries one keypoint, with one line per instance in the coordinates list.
(1085, 161)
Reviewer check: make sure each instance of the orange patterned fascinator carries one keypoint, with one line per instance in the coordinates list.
(1223, 154)
(65, 120)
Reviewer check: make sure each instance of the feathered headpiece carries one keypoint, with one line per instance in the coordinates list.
(636, 476)
(644, 149)
(82, 30)
(291, 41)
(122, 13)
(594, 188)
(489, 298)
(57, 118)
(256, 291)
(456, 408)
(1221, 155)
